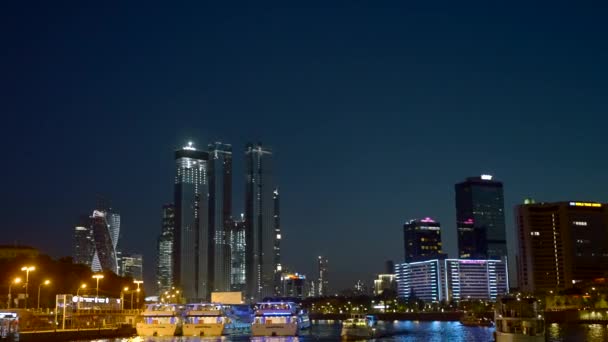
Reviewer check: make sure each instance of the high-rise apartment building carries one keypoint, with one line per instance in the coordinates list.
(561, 244)
(259, 218)
(132, 266)
(322, 279)
(480, 218)
(422, 240)
(192, 243)
(220, 211)
(236, 236)
(164, 248)
(276, 201)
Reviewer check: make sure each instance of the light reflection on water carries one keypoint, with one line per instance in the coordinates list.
(403, 331)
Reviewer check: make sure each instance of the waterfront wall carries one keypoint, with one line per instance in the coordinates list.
(75, 334)
(399, 316)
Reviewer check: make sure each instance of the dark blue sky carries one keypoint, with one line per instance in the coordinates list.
(374, 112)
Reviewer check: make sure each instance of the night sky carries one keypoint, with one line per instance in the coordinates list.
(373, 112)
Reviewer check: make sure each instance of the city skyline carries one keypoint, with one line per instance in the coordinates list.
(373, 115)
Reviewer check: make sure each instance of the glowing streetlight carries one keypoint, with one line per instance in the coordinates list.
(97, 277)
(82, 286)
(27, 270)
(46, 282)
(137, 282)
(122, 297)
(15, 281)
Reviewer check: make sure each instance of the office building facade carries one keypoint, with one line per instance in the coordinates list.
(294, 285)
(384, 282)
(83, 247)
(220, 211)
(192, 243)
(561, 244)
(132, 266)
(259, 219)
(323, 276)
(452, 279)
(237, 240)
(480, 218)
(422, 240)
(164, 250)
(276, 203)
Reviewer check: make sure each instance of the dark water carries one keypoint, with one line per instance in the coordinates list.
(406, 331)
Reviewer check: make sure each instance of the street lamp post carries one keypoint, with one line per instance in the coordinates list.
(46, 282)
(137, 282)
(15, 281)
(82, 286)
(27, 270)
(122, 298)
(97, 277)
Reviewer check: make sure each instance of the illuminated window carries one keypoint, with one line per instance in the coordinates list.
(535, 233)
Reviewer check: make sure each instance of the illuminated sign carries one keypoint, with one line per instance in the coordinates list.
(466, 261)
(77, 299)
(486, 177)
(427, 219)
(585, 204)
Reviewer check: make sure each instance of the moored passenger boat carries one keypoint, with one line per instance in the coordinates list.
(204, 319)
(275, 319)
(519, 319)
(159, 320)
(359, 326)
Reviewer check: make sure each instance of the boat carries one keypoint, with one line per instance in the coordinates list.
(276, 319)
(359, 326)
(159, 320)
(519, 319)
(470, 319)
(303, 320)
(204, 319)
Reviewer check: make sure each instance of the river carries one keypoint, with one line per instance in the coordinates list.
(406, 331)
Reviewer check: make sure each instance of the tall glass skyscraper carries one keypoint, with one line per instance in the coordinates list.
(237, 255)
(96, 238)
(276, 200)
(220, 210)
(259, 218)
(105, 258)
(192, 243)
(323, 286)
(164, 263)
(480, 218)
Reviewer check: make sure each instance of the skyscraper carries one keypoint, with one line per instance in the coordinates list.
(164, 265)
(220, 209)
(259, 219)
(323, 281)
(192, 243)
(105, 258)
(132, 266)
(480, 218)
(561, 244)
(277, 242)
(237, 254)
(422, 240)
(83, 242)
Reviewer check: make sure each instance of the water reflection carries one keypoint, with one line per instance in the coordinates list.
(403, 331)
